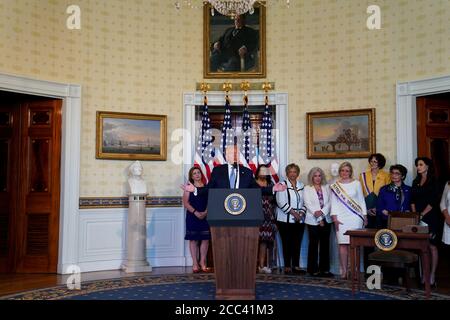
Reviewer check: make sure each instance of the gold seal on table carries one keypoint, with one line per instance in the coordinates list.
(386, 239)
(235, 204)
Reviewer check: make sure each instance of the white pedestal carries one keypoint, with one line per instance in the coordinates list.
(136, 236)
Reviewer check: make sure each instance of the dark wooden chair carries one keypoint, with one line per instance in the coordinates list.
(401, 259)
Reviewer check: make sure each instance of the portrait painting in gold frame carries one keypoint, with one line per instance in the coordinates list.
(234, 47)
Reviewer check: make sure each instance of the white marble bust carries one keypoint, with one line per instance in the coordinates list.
(334, 170)
(136, 183)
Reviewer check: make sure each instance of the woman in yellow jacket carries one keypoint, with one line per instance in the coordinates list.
(372, 180)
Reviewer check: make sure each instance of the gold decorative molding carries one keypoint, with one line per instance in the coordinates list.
(122, 202)
(252, 86)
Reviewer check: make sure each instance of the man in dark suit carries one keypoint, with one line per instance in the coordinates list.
(237, 42)
(233, 176)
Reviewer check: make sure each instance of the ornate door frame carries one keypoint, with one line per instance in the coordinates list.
(406, 117)
(70, 157)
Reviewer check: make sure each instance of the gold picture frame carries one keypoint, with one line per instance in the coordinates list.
(340, 134)
(217, 26)
(131, 136)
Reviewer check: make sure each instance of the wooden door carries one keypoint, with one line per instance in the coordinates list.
(39, 186)
(31, 199)
(433, 132)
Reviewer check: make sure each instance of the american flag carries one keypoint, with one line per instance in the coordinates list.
(227, 128)
(207, 157)
(266, 154)
(273, 167)
(205, 150)
(247, 131)
(266, 148)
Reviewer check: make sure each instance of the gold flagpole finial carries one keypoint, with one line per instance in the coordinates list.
(245, 86)
(205, 87)
(266, 86)
(227, 86)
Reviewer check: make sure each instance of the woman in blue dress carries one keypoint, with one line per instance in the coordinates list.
(197, 228)
(395, 196)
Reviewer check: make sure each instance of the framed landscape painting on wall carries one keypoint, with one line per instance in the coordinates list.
(131, 136)
(340, 134)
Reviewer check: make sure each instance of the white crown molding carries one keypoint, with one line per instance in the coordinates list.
(423, 87)
(20, 84)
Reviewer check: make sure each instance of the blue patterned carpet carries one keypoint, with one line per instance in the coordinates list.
(202, 287)
(206, 290)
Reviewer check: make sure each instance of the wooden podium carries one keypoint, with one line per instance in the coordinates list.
(235, 240)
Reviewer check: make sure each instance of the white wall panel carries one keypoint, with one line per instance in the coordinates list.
(102, 238)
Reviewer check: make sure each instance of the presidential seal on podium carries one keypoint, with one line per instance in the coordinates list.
(235, 204)
(386, 240)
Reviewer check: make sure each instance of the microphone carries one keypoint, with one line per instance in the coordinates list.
(235, 165)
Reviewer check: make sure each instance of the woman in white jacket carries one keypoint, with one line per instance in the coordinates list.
(290, 219)
(445, 208)
(317, 201)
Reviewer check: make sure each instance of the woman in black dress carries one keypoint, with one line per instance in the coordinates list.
(425, 200)
(197, 228)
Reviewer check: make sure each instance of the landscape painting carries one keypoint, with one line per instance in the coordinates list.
(130, 136)
(341, 134)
